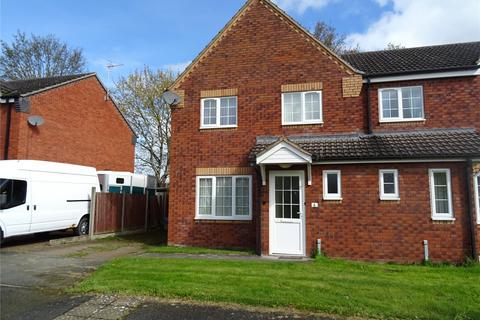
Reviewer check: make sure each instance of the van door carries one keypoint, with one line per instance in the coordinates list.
(15, 208)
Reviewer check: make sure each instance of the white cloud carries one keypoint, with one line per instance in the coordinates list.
(427, 22)
(176, 67)
(301, 5)
(382, 3)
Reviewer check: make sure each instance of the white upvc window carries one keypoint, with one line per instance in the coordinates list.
(332, 185)
(477, 195)
(218, 112)
(389, 184)
(224, 197)
(302, 108)
(401, 104)
(441, 194)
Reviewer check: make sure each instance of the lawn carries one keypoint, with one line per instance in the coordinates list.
(329, 286)
(196, 250)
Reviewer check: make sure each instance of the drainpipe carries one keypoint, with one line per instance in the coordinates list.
(259, 216)
(369, 108)
(472, 224)
(7, 131)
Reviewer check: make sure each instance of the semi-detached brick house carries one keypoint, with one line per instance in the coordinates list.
(279, 143)
(81, 126)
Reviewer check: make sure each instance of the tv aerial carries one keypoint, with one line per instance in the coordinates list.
(35, 121)
(110, 65)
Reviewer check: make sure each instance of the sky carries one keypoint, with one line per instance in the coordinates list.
(169, 34)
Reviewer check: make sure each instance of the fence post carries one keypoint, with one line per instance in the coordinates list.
(146, 211)
(123, 210)
(91, 223)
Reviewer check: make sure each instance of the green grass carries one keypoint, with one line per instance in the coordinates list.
(329, 286)
(195, 250)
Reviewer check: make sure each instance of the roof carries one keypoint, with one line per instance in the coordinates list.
(424, 144)
(30, 86)
(447, 57)
(283, 17)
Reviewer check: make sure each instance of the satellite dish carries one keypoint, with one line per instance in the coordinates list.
(35, 121)
(171, 98)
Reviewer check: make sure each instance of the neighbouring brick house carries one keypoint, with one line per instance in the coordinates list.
(279, 143)
(81, 126)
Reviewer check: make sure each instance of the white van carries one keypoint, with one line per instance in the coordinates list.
(126, 182)
(39, 196)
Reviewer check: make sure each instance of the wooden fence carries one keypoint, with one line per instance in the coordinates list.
(117, 213)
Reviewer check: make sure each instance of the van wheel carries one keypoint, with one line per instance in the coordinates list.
(82, 228)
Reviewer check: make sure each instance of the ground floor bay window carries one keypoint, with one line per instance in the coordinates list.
(224, 197)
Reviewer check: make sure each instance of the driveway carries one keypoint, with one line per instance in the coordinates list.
(34, 274)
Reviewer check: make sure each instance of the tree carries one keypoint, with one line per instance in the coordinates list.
(393, 46)
(139, 97)
(38, 56)
(329, 36)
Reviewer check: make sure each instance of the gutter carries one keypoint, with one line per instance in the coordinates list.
(471, 222)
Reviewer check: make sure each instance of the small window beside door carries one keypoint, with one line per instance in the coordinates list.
(389, 184)
(332, 186)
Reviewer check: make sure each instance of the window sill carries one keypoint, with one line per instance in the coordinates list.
(301, 123)
(218, 127)
(226, 219)
(442, 219)
(403, 120)
(389, 199)
(332, 199)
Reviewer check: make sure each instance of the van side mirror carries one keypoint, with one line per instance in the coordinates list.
(3, 200)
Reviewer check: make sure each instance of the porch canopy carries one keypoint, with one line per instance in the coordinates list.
(418, 146)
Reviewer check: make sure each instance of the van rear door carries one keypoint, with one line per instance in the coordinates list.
(15, 208)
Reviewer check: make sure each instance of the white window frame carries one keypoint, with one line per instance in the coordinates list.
(217, 122)
(326, 194)
(441, 216)
(477, 195)
(303, 121)
(212, 216)
(400, 105)
(388, 196)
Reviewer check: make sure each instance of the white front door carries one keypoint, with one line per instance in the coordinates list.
(287, 212)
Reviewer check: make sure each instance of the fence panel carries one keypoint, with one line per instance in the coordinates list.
(127, 212)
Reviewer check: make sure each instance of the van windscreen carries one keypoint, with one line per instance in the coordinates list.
(12, 193)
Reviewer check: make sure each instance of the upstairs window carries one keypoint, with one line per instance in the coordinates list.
(219, 112)
(302, 107)
(441, 194)
(401, 104)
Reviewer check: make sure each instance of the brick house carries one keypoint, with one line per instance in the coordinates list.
(280, 143)
(81, 126)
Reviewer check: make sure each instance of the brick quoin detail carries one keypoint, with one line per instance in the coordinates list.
(258, 56)
(80, 128)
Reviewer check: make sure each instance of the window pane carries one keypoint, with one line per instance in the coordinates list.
(442, 201)
(312, 106)
(278, 211)
(223, 197)
(389, 188)
(292, 107)
(390, 103)
(228, 111)
(295, 212)
(388, 177)
(287, 211)
(242, 195)
(332, 183)
(412, 102)
(205, 196)
(209, 111)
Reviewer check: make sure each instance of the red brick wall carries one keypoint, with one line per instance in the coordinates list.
(80, 128)
(258, 56)
(449, 102)
(363, 227)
